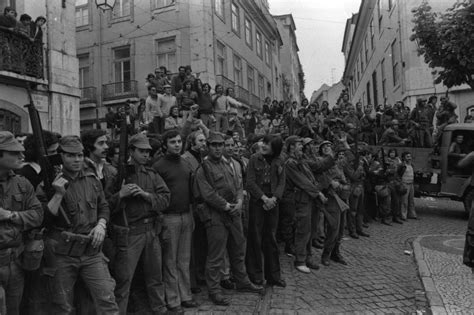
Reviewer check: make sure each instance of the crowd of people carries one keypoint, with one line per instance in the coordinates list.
(205, 197)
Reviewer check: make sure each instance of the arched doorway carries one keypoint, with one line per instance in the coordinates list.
(9, 121)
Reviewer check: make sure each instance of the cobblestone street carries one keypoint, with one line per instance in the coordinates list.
(380, 276)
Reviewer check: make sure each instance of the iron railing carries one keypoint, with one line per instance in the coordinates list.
(119, 90)
(255, 103)
(241, 94)
(20, 55)
(225, 82)
(88, 95)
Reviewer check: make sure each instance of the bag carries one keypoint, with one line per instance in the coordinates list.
(382, 191)
(400, 188)
(32, 253)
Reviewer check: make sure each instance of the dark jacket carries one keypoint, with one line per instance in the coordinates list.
(301, 185)
(260, 173)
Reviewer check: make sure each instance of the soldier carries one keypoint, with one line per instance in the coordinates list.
(20, 210)
(76, 230)
(222, 194)
(421, 117)
(390, 136)
(139, 203)
(302, 189)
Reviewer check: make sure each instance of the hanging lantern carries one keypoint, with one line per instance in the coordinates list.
(105, 5)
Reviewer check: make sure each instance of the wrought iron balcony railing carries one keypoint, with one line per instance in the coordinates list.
(88, 95)
(20, 55)
(119, 90)
(242, 94)
(225, 82)
(255, 103)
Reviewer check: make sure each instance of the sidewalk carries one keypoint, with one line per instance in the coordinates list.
(449, 284)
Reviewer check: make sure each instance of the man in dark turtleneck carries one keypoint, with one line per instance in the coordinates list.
(178, 221)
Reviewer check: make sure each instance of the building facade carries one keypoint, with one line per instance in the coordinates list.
(50, 68)
(327, 93)
(233, 43)
(293, 77)
(382, 64)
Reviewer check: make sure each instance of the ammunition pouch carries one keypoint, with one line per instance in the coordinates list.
(119, 235)
(73, 245)
(142, 226)
(33, 251)
(301, 196)
(357, 190)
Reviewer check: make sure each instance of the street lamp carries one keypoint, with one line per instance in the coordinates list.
(105, 5)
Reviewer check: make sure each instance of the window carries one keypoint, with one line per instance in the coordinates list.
(390, 5)
(122, 71)
(84, 77)
(220, 59)
(82, 13)
(361, 63)
(258, 38)
(166, 53)
(380, 12)
(250, 80)
(395, 64)
(369, 100)
(219, 7)
(268, 56)
(382, 66)
(269, 89)
(237, 70)
(366, 42)
(261, 87)
(372, 34)
(374, 88)
(235, 19)
(121, 8)
(156, 4)
(248, 32)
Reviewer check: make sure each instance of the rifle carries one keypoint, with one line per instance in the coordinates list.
(47, 162)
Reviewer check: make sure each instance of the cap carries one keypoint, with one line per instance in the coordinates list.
(215, 137)
(292, 140)
(71, 144)
(350, 126)
(166, 86)
(325, 142)
(307, 140)
(9, 143)
(394, 122)
(139, 141)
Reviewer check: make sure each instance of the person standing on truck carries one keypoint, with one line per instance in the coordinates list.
(390, 136)
(421, 118)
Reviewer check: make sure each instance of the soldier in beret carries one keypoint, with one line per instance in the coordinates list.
(20, 210)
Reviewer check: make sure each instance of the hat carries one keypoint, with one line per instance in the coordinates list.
(9, 143)
(166, 86)
(350, 126)
(292, 140)
(215, 137)
(307, 140)
(140, 141)
(394, 122)
(325, 142)
(71, 144)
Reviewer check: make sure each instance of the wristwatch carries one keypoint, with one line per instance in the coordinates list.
(12, 217)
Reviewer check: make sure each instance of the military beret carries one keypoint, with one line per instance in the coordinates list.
(9, 143)
(71, 144)
(140, 141)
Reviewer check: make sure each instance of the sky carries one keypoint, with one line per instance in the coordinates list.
(319, 32)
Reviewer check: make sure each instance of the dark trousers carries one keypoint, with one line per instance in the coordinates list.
(334, 225)
(11, 286)
(316, 231)
(303, 232)
(262, 239)
(286, 224)
(198, 253)
(395, 202)
(94, 271)
(355, 215)
(225, 233)
(144, 247)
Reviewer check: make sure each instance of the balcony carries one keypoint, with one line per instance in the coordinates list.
(224, 81)
(242, 95)
(255, 102)
(120, 90)
(88, 96)
(18, 54)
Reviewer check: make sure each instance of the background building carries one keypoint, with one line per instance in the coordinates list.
(51, 70)
(382, 64)
(328, 93)
(233, 43)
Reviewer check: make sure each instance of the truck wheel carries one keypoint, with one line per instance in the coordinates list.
(467, 200)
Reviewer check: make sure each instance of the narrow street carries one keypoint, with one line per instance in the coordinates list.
(380, 276)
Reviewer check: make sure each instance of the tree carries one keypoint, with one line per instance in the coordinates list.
(446, 40)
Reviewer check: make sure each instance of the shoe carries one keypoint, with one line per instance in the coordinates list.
(362, 233)
(396, 220)
(311, 264)
(251, 288)
(219, 299)
(196, 290)
(339, 259)
(365, 225)
(290, 250)
(175, 310)
(278, 283)
(354, 235)
(189, 304)
(303, 269)
(325, 261)
(385, 222)
(257, 282)
(317, 244)
(403, 219)
(413, 218)
(227, 284)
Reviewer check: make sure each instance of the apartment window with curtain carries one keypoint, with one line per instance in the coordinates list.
(382, 67)
(122, 69)
(375, 88)
(369, 100)
(121, 8)
(395, 63)
(82, 13)
(84, 71)
(166, 53)
(220, 59)
(237, 70)
(235, 18)
(157, 4)
(268, 54)
(219, 8)
(250, 79)
(261, 87)
(248, 32)
(258, 38)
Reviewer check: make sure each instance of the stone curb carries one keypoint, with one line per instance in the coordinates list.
(434, 298)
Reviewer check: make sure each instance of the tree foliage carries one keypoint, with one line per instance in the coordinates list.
(446, 40)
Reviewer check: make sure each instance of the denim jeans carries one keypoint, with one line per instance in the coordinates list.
(408, 202)
(177, 235)
(11, 287)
